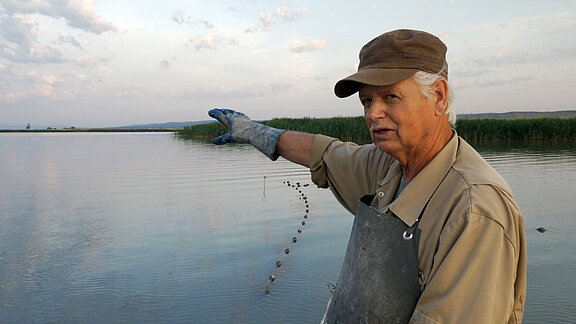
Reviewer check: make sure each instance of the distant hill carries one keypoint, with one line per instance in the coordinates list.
(176, 125)
(165, 125)
(522, 115)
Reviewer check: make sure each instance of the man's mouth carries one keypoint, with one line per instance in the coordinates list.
(380, 130)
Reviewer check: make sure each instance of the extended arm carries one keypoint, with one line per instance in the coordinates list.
(294, 146)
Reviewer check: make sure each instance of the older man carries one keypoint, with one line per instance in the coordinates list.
(437, 236)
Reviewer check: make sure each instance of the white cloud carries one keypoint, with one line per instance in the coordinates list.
(44, 54)
(75, 75)
(206, 23)
(179, 17)
(512, 52)
(233, 41)
(19, 41)
(266, 20)
(289, 15)
(164, 64)
(283, 14)
(299, 46)
(77, 13)
(88, 60)
(18, 29)
(476, 83)
(62, 85)
(69, 40)
(239, 91)
(35, 86)
(211, 41)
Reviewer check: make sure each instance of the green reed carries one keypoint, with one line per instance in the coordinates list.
(345, 128)
(554, 129)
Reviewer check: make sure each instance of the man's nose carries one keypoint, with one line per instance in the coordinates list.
(376, 110)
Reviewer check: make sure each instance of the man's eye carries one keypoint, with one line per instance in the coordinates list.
(366, 101)
(391, 96)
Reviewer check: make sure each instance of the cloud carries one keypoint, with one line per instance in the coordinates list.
(299, 46)
(240, 91)
(515, 52)
(492, 82)
(233, 41)
(69, 40)
(289, 15)
(164, 64)
(77, 13)
(19, 41)
(206, 23)
(211, 41)
(18, 29)
(179, 17)
(266, 20)
(251, 30)
(33, 84)
(89, 61)
(282, 14)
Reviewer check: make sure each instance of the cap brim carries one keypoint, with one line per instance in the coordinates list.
(378, 77)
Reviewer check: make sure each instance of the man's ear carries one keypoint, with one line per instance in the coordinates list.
(441, 96)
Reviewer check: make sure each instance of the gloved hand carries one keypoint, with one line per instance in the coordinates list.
(242, 129)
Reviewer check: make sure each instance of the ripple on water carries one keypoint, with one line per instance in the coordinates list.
(147, 228)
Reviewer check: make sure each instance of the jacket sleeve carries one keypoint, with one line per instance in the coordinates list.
(349, 170)
(477, 268)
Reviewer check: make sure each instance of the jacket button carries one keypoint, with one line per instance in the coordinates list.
(381, 194)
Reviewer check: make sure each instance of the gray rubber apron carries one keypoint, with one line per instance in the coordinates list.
(378, 282)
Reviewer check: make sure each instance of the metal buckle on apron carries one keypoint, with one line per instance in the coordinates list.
(407, 236)
(409, 233)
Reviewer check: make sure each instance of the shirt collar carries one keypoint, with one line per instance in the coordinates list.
(418, 192)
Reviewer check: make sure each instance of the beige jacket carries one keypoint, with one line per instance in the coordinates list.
(472, 253)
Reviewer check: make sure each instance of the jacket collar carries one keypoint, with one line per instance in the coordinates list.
(409, 205)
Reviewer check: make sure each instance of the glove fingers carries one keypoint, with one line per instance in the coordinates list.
(219, 115)
(226, 138)
(214, 113)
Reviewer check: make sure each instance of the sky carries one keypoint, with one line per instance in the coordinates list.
(104, 63)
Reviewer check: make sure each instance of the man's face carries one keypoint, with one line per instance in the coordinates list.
(400, 118)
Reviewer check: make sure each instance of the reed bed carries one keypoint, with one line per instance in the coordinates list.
(345, 128)
(354, 128)
(537, 129)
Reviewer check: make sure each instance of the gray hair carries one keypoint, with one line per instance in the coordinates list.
(425, 81)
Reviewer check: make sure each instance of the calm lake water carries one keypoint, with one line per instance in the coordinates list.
(149, 228)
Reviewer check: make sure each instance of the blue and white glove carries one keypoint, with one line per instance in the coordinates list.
(243, 130)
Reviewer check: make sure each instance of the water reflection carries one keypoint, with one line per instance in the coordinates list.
(151, 228)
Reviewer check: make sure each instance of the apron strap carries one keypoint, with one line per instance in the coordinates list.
(367, 199)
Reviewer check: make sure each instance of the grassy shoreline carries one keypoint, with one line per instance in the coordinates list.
(354, 128)
(91, 130)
